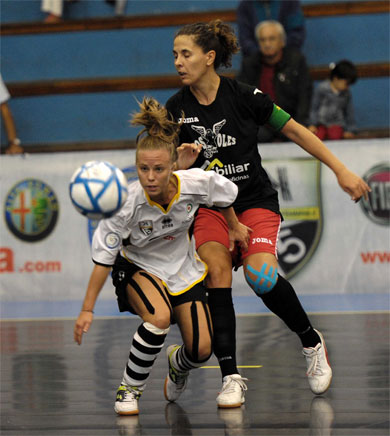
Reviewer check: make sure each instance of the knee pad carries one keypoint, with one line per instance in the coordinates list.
(263, 282)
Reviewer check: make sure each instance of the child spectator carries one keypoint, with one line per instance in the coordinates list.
(331, 114)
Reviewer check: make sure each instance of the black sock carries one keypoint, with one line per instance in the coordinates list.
(283, 302)
(309, 338)
(224, 327)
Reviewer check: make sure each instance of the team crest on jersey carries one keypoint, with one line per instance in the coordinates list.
(211, 139)
(298, 184)
(146, 227)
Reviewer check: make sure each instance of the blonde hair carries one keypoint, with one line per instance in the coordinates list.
(215, 35)
(159, 132)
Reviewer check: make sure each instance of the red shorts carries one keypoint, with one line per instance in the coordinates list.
(210, 225)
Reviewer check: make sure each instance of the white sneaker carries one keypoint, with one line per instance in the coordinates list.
(126, 402)
(176, 381)
(319, 372)
(233, 392)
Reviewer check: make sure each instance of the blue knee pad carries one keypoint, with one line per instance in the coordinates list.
(269, 281)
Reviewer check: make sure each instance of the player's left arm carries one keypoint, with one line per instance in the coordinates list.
(354, 185)
(187, 154)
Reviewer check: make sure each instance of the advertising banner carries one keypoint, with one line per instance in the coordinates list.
(328, 244)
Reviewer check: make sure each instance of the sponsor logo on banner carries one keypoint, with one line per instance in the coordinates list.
(298, 184)
(31, 210)
(131, 175)
(8, 264)
(377, 207)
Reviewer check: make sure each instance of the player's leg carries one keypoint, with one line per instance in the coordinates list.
(212, 238)
(143, 294)
(193, 318)
(261, 273)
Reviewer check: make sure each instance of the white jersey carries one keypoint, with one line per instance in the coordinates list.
(157, 239)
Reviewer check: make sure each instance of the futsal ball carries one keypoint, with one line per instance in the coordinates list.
(98, 189)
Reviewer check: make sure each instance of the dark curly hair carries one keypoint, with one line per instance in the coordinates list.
(215, 35)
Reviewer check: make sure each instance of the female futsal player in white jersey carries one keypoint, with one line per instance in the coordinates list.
(156, 271)
(219, 132)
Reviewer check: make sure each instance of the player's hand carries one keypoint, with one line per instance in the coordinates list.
(353, 185)
(82, 325)
(241, 235)
(187, 155)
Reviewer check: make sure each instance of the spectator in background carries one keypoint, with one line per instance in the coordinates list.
(54, 8)
(332, 114)
(279, 71)
(251, 12)
(14, 146)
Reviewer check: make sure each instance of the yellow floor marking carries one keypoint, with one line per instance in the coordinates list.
(238, 366)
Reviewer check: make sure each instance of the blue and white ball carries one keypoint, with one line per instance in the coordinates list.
(98, 189)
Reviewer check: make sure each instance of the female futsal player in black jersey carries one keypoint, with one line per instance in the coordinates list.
(219, 133)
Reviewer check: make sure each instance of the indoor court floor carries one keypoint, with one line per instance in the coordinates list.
(51, 386)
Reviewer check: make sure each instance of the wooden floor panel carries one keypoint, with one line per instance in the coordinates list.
(51, 386)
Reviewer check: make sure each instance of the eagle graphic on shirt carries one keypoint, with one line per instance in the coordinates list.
(208, 138)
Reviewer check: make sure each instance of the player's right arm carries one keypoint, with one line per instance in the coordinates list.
(96, 281)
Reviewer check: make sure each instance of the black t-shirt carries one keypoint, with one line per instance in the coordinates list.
(227, 130)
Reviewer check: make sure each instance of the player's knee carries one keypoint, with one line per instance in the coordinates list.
(161, 319)
(263, 280)
(219, 276)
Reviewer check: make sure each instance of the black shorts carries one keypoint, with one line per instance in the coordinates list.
(123, 270)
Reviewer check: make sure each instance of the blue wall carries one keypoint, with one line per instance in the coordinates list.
(134, 52)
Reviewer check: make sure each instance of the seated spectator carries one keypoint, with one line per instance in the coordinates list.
(251, 12)
(54, 9)
(332, 114)
(14, 146)
(279, 71)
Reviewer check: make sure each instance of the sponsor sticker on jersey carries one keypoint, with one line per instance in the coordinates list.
(377, 207)
(298, 184)
(232, 171)
(31, 210)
